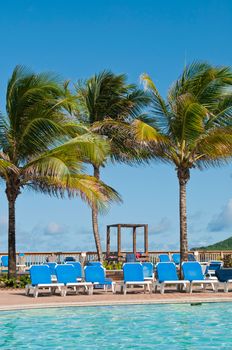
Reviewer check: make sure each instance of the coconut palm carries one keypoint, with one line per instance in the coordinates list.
(107, 104)
(191, 128)
(37, 150)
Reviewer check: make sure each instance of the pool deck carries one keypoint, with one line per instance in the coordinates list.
(16, 299)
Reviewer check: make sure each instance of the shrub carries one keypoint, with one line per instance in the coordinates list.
(111, 265)
(227, 260)
(18, 282)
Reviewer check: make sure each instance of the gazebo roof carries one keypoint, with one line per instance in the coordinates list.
(127, 225)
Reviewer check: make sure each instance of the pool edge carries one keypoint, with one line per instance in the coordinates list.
(112, 303)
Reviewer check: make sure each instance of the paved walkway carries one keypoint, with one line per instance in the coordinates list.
(16, 299)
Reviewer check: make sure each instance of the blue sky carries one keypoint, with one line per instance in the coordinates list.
(78, 38)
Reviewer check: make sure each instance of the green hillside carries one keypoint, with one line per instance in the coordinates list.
(223, 245)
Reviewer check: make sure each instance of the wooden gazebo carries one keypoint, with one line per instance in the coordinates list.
(119, 227)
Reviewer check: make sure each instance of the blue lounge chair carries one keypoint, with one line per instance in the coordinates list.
(96, 275)
(133, 275)
(212, 268)
(148, 271)
(193, 273)
(78, 268)
(4, 263)
(167, 275)
(176, 258)
(41, 280)
(94, 263)
(191, 257)
(69, 259)
(130, 258)
(164, 258)
(67, 275)
(224, 277)
(52, 266)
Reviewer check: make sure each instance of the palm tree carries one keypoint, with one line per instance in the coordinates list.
(37, 150)
(107, 104)
(192, 128)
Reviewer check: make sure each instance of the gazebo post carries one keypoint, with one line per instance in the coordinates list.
(134, 239)
(108, 242)
(119, 240)
(146, 239)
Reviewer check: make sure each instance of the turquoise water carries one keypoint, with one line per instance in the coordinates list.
(206, 326)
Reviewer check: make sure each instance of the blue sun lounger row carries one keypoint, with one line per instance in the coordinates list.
(67, 277)
(41, 280)
(175, 258)
(192, 272)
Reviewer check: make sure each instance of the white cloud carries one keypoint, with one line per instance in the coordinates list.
(54, 228)
(223, 220)
(163, 225)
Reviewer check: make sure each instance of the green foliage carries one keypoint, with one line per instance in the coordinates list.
(107, 95)
(192, 127)
(222, 245)
(19, 282)
(227, 261)
(108, 104)
(111, 265)
(41, 147)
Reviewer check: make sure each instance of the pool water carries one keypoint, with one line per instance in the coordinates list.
(182, 326)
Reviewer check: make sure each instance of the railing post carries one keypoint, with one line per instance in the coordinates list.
(134, 240)
(146, 239)
(119, 240)
(108, 241)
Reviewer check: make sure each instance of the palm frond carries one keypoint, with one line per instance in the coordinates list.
(146, 133)
(91, 190)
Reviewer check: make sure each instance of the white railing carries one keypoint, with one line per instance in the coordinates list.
(36, 258)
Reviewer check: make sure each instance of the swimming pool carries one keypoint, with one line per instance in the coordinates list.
(206, 326)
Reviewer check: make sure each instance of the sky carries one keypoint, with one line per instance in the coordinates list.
(79, 38)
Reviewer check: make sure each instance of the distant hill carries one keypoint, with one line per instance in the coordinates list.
(223, 245)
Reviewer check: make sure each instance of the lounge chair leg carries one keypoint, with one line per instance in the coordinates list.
(214, 287)
(53, 290)
(190, 288)
(113, 288)
(226, 287)
(36, 292)
(90, 290)
(27, 290)
(124, 289)
(162, 288)
(63, 291)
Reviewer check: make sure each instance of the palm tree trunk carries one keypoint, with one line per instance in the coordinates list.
(11, 240)
(95, 220)
(12, 191)
(183, 176)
